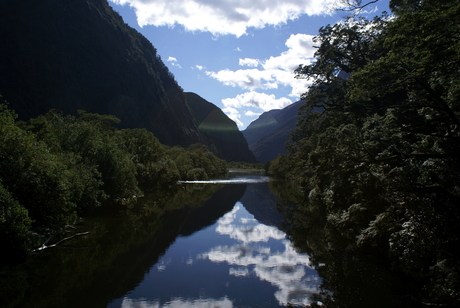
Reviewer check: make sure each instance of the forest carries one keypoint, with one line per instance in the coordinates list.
(56, 167)
(376, 151)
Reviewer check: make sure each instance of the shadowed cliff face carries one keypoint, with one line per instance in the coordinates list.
(70, 55)
(267, 135)
(221, 132)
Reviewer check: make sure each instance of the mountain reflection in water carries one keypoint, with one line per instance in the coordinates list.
(285, 269)
(198, 245)
(236, 262)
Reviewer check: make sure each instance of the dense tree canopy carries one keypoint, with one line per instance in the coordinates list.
(55, 167)
(377, 144)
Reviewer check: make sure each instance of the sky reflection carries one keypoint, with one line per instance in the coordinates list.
(237, 262)
(178, 303)
(285, 269)
(249, 231)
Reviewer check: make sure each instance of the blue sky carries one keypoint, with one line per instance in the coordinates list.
(238, 54)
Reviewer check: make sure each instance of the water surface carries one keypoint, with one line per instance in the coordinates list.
(235, 262)
(213, 244)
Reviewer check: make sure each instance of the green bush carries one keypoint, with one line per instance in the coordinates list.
(14, 222)
(57, 166)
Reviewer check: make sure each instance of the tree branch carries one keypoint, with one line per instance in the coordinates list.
(354, 5)
(45, 246)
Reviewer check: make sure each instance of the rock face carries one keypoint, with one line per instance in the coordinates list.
(268, 134)
(79, 54)
(220, 131)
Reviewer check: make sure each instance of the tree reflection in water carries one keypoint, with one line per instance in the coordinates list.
(357, 274)
(202, 245)
(237, 260)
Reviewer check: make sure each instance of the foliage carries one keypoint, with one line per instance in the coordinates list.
(34, 177)
(246, 166)
(376, 148)
(149, 156)
(81, 55)
(57, 166)
(14, 221)
(197, 163)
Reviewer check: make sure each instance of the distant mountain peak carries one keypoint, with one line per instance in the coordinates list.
(268, 134)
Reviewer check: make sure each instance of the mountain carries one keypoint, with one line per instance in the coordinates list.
(79, 54)
(262, 204)
(268, 134)
(220, 131)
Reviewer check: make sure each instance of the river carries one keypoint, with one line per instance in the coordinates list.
(207, 244)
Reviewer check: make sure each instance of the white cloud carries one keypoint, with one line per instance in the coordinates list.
(224, 16)
(173, 62)
(251, 113)
(249, 79)
(258, 100)
(249, 62)
(272, 73)
(233, 114)
(199, 67)
(275, 72)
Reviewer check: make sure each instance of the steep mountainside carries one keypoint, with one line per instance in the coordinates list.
(263, 125)
(268, 134)
(220, 131)
(79, 54)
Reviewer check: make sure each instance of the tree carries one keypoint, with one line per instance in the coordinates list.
(153, 167)
(376, 150)
(197, 163)
(33, 179)
(15, 223)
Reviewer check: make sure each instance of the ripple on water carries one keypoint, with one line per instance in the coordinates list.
(236, 180)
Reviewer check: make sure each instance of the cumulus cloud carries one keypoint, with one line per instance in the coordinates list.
(275, 71)
(249, 62)
(257, 100)
(224, 16)
(233, 114)
(173, 62)
(268, 74)
(249, 79)
(251, 113)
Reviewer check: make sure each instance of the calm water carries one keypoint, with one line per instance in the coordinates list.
(210, 244)
(235, 262)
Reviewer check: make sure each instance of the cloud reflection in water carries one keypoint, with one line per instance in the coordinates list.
(250, 231)
(178, 303)
(240, 245)
(284, 269)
